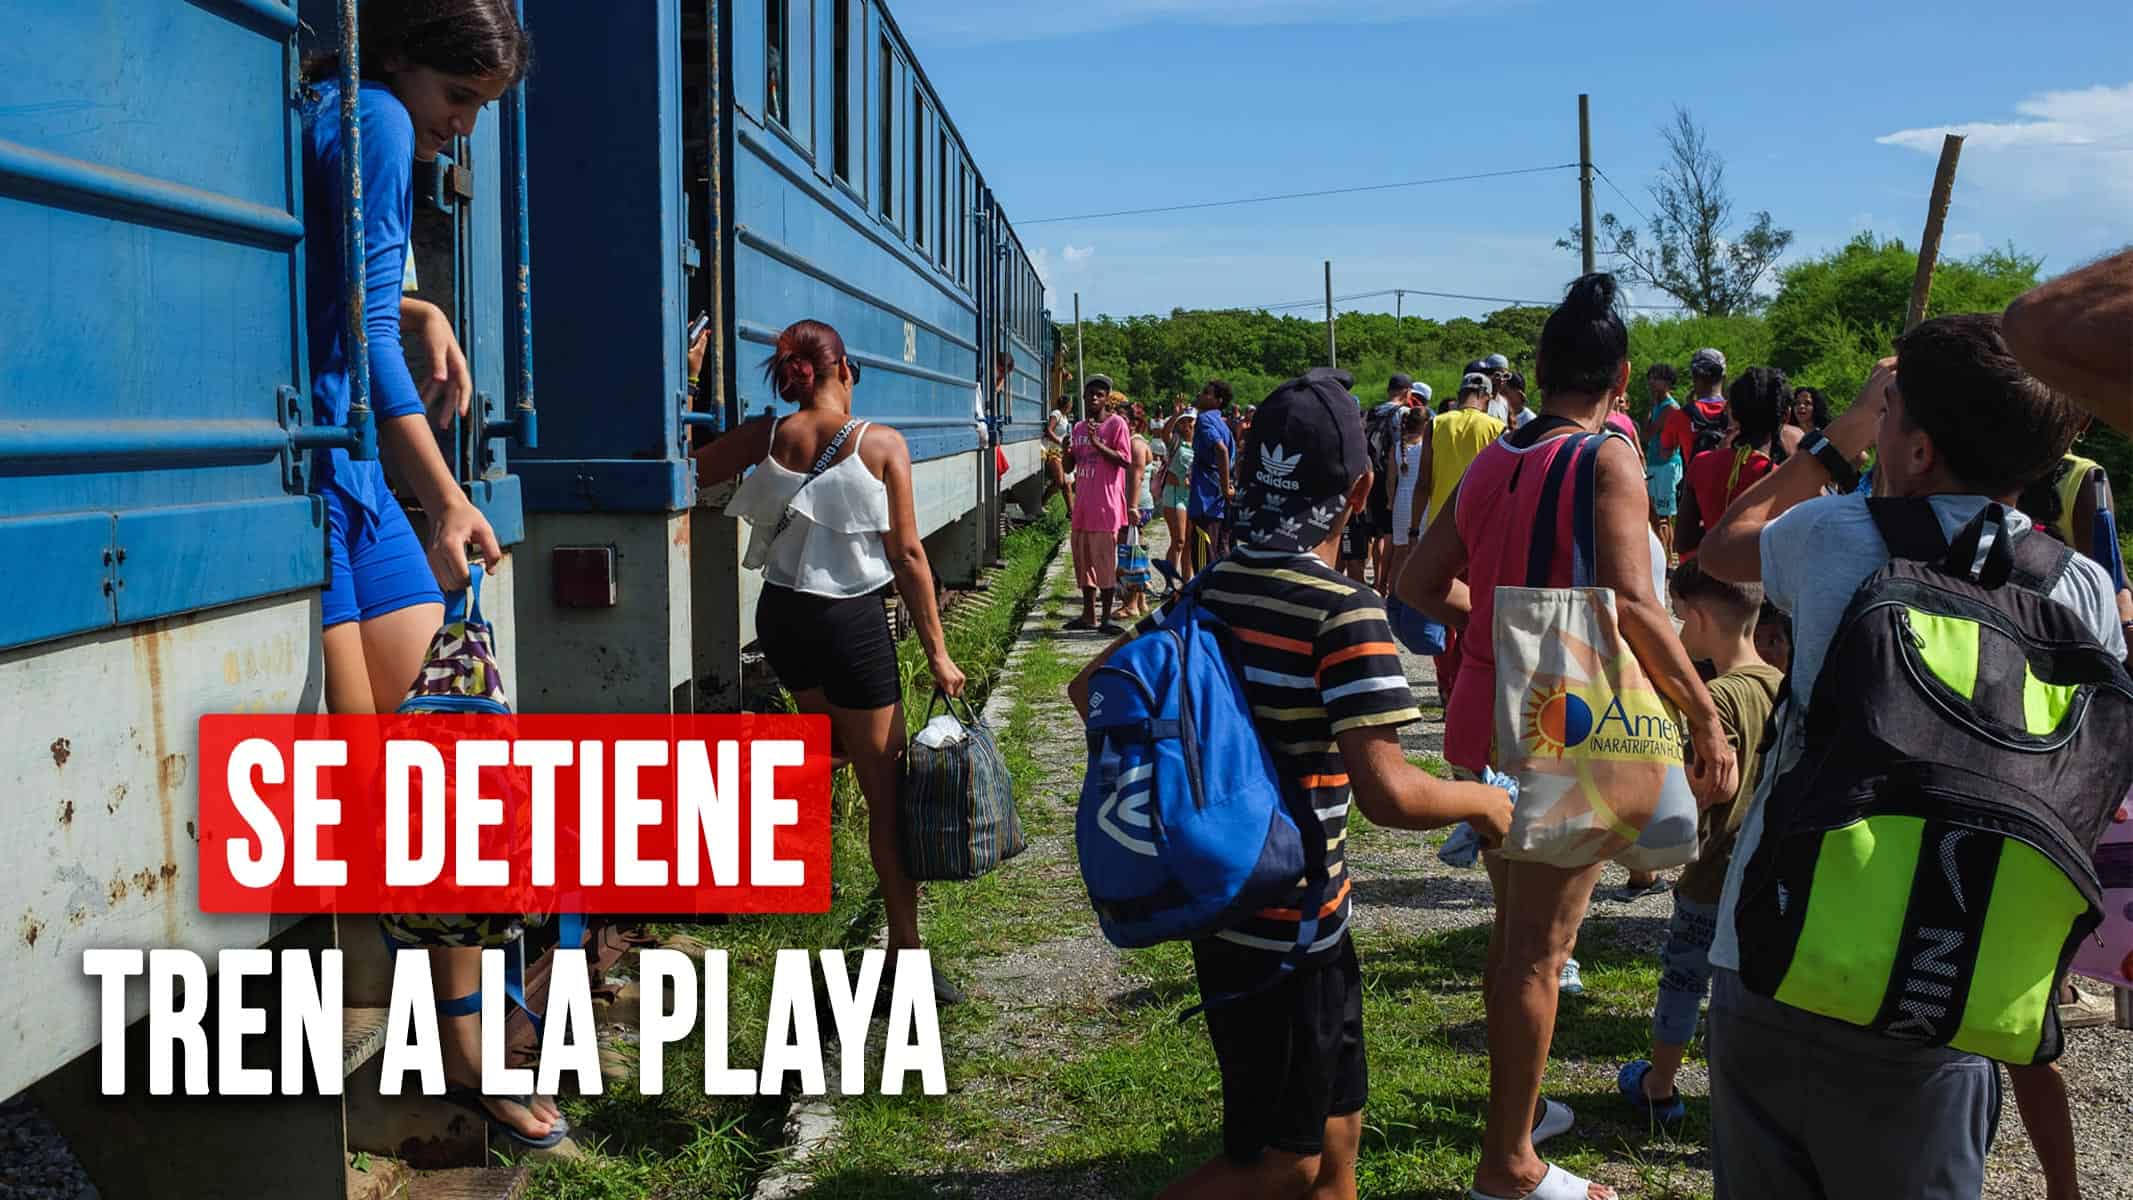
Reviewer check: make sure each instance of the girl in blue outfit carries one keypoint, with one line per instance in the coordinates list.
(428, 69)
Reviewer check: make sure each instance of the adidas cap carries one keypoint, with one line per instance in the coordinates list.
(1305, 451)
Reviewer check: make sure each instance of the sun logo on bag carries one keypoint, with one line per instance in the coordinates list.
(1557, 719)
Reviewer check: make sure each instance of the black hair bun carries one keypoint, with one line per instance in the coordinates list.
(1594, 293)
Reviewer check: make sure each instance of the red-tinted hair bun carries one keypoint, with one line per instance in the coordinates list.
(807, 353)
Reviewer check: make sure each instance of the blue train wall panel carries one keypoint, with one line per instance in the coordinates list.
(163, 557)
(166, 551)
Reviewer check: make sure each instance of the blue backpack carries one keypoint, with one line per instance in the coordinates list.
(1184, 827)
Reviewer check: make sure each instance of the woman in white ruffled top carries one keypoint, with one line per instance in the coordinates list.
(832, 527)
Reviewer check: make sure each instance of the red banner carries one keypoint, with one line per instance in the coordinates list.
(465, 813)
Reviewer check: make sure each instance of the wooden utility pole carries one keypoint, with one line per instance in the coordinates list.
(1399, 339)
(1951, 149)
(1585, 176)
(1081, 380)
(1332, 352)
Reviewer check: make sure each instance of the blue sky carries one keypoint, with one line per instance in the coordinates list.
(1828, 114)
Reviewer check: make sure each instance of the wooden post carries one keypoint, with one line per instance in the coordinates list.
(1951, 149)
(1332, 351)
(1585, 180)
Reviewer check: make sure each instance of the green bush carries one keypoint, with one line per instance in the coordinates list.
(1836, 315)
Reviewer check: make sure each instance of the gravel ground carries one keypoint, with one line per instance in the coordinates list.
(35, 1163)
(1048, 995)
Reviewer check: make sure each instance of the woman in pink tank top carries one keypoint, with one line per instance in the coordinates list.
(1453, 576)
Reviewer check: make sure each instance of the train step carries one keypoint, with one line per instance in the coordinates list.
(390, 1179)
(362, 1036)
(470, 1183)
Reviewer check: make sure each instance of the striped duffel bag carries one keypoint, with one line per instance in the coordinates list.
(956, 810)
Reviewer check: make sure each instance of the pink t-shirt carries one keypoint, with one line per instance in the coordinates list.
(1099, 483)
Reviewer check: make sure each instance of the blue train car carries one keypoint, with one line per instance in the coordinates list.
(165, 551)
(667, 158)
(758, 164)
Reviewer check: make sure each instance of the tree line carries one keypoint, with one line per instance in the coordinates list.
(1830, 319)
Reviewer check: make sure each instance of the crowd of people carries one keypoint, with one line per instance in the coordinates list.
(1750, 484)
(1732, 527)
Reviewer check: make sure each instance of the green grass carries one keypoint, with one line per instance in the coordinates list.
(1139, 1102)
(1134, 1097)
(686, 1144)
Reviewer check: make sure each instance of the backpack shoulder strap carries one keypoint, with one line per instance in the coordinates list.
(1984, 551)
(2040, 563)
(1910, 528)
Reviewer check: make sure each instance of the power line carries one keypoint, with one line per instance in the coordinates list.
(1347, 191)
(1319, 301)
(1625, 195)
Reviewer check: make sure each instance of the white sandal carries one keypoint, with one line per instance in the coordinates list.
(1557, 1184)
(1556, 1119)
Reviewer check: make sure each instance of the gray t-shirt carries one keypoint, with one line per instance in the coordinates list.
(1814, 559)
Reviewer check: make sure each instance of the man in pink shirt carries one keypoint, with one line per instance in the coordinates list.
(1099, 447)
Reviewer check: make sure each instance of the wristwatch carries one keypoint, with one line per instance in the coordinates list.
(1841, 471)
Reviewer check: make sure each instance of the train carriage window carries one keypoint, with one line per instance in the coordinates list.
(787, 53)
(841, 84)
(963, 219)
(920, 214)
(943, 205)
(777, 60)
(889, 156)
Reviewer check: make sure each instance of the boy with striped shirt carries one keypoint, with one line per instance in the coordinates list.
(1328, 696)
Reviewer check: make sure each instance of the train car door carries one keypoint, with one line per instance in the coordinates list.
(604, 572)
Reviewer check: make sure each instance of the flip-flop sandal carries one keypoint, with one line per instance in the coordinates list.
(470, 1099)
(1556, 1120)
(1110, 628)
(1630, 1082)
(1653, 888)
(1557, 1184)
(1077, 625)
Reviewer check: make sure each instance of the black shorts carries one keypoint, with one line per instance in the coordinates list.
(1292, 1055)
(841, 646)
(1379, 510)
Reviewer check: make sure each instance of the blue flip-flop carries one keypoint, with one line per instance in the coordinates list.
(470, 1100)
(1630, 1081)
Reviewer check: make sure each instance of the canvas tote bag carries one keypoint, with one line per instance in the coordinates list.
(1596, 750)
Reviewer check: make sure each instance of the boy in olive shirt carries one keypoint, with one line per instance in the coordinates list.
(1718, 623)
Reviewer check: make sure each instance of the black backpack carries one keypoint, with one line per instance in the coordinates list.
(1925, 866)
(1706, 433)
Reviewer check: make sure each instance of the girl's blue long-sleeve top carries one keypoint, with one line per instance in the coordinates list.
(388, 150)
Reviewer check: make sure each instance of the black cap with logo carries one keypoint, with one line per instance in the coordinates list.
(1305, 451)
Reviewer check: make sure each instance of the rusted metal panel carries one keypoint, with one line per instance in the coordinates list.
(98, 842)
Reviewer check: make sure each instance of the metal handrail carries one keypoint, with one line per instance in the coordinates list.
(362, 441)
(523, 427)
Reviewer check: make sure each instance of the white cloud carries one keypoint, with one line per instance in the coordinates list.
(2066, 147)
(2083, 118)
(1076, 254)
(971, 21)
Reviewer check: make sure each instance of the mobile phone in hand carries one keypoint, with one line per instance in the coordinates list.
(697, 327)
